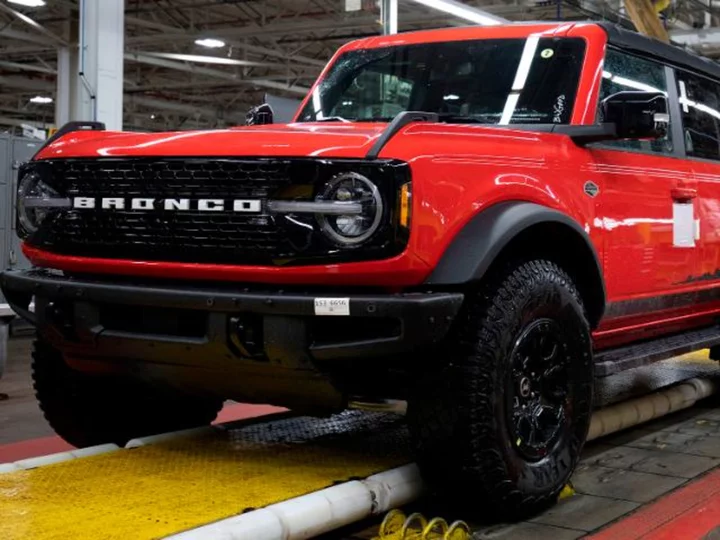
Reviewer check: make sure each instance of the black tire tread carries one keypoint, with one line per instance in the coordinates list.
(469, 460)
(88, 409)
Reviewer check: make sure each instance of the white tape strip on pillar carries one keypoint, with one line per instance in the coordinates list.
(319, 512)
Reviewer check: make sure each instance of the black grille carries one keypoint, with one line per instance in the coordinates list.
(171, 178)
(224, 237)
(221, 237)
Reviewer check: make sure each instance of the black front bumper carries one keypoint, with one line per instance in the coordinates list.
(210, 327)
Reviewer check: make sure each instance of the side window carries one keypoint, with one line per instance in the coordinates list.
(700, 105)
(625, 72)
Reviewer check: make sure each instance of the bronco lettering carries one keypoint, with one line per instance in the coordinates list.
(182, 205)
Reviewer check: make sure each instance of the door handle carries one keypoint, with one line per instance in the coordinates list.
(683, 194)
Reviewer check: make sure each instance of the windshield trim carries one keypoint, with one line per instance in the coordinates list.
(313, 105)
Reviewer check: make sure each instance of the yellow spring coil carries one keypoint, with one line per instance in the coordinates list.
(660, 5)
(398, 526)
(567, 492)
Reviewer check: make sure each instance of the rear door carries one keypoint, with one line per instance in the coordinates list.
(648, 203)
(699, 99)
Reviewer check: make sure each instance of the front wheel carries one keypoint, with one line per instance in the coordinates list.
(498, 419)
(87, 409)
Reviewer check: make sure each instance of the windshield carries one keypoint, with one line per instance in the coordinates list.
(494, 81)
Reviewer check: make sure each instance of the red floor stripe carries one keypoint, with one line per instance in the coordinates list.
(32, 448)
(687, 513)
(52, 445)
(693, 525)
(241, 411)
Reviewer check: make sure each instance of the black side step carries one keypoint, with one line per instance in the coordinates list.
(619, 359)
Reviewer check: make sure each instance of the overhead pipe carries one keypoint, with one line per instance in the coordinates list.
(389, 15)
(81, 74)
(464, 11)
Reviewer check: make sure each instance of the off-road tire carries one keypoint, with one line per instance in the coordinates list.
(89, 409)
(458, 408)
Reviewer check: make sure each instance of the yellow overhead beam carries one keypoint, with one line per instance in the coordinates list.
(645, 18)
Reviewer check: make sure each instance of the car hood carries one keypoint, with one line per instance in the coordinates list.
(301, 140)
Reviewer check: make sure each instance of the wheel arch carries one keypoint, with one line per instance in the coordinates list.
(519, 228)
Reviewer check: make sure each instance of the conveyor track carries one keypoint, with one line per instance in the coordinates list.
(174, 485)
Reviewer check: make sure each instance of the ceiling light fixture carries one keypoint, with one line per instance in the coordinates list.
(41, 99)
(28, 3)
(463, 12)
(210, 43)
(201, 58)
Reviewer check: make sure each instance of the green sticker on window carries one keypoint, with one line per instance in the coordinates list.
(547, 53)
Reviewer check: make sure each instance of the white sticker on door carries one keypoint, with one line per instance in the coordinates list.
(683, 225)
(332, 306)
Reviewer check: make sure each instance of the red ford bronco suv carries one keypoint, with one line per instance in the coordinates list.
(478, 221)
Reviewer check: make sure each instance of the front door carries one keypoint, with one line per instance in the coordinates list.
(648, 205)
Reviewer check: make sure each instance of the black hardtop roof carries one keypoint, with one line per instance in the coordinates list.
(626, 38)
(672, 55)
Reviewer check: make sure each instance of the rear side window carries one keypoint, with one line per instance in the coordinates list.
(700, 106)
(625, 72)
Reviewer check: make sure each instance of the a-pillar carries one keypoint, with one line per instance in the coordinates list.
(96, 67)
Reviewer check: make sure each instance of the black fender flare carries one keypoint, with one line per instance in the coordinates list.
(471, 252)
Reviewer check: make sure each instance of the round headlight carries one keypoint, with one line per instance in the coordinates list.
(34, 200)
(352, 228)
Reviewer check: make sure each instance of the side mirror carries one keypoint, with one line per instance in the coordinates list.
(637, 115)
(262, 114)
